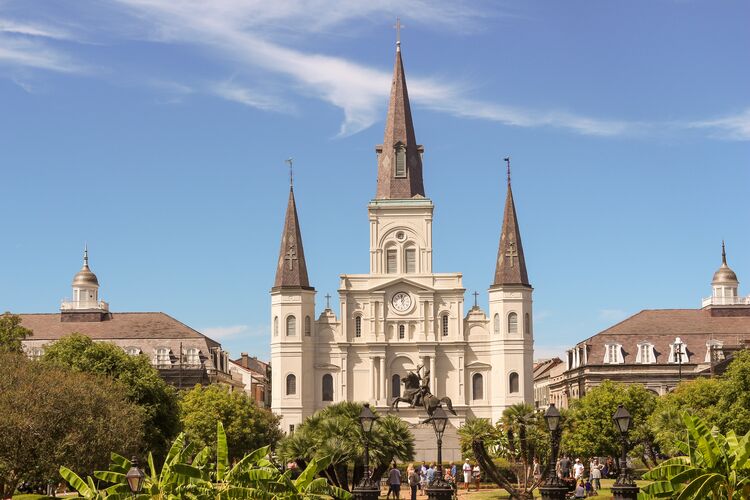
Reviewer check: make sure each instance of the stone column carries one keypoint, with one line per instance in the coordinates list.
(383, 377)
(433, 377)
(373, 380)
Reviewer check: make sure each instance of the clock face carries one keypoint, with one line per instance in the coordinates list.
(401, 301)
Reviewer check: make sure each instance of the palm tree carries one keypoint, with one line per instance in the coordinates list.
(518, 420)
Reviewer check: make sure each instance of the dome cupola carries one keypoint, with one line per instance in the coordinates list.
(724, 275)
(85, 277)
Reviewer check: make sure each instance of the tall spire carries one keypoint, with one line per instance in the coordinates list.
(511, 264)
(723, 253)
(291, 271)
(399, 157)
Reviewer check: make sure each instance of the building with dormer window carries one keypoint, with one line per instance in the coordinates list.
(658, 348)
(402, 313)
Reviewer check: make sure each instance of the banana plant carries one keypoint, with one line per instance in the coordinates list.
(712, 466)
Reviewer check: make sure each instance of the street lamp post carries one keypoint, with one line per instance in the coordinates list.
(135, 477)
(439, 488)
(367, 489)
(553, 488)
(624, 487)
(678, 352)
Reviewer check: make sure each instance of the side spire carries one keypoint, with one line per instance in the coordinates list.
(399, 157)
(723, 253)
(86, 255)
(511, 264)
(291, 271)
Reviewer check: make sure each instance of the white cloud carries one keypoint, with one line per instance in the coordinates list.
(733, 127)
(22, 52)
(222, 332)
(33, 30)
(612, 315)
(231, 91)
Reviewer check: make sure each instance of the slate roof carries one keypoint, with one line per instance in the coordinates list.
(511, 263)
(291, 270)
(124, 325)
(399, 129)
(660, 327)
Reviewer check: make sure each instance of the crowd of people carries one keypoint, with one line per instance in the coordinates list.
(418, 477)
(583, 481)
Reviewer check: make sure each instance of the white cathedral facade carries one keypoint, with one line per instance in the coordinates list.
(401, 314)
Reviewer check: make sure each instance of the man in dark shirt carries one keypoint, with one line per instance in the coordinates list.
(565, 467)
(394, 482)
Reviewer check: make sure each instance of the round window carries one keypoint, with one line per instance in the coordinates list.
(400, 236)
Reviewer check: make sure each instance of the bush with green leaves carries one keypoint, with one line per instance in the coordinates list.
(205, 475)
(713, 465)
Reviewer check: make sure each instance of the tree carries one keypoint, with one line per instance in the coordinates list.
(734, 402)
(334, 432)
(248, 426)
(712, 466)
(135, 374)
(12, 333)
(53, 416)
(591, 431)
(700, 396)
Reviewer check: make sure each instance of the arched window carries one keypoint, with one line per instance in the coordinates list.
(358, 326)
(192, 356)
(445, 325)
(496, 324)
(526, 324)
(477, 387)
(36, 353)
(132, 351)
(291, 326)
(275, 326)
(308, 326)
(513, 383)
(513, 323)
(291, 385)
(327, 387)
(401, 331)
(396, 386)
(400, 160)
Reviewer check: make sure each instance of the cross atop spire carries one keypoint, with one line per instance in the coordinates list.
(511, 264)
(398, 27)
(399, 157)
(290, 162)
(291, 270)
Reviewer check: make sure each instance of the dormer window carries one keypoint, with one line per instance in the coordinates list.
(613, 354)
(678, 352)
(714, 351)
(645, 354)
(400, 160)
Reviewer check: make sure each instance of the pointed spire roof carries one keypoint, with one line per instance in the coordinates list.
(399, 144)
(291, 271)
(511, 264)
(724, 275)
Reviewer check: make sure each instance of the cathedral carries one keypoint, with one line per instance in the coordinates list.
(401, 314)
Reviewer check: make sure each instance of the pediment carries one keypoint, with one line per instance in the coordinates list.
(478, 364)
(400, 281)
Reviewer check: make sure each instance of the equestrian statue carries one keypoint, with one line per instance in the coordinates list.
(417, 393)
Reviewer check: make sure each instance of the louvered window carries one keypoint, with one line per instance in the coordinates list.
(496, 324)
(400, 161)
(411, 260)
(513, 323)
(308, 326)
(513, 383)
(327, 387)
(477, 386)
(291, 385)
(391, 257)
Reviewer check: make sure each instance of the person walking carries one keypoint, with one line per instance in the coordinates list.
(578, 470)
(564, 467)
(394, 482)
(430, 474)
(413, 478)
(536, 470)
(476, 475)
(467, 474)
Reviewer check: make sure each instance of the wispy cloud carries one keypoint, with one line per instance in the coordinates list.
(21, 52)
(232, 91)
(612, 314)
(223, 332)
(33, 30)
(733, 127)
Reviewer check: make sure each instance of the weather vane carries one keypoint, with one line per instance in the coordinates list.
(507, 161)
(290, 162)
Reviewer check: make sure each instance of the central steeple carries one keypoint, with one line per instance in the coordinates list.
(399, 157)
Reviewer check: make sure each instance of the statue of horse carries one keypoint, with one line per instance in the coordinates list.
(415, 393)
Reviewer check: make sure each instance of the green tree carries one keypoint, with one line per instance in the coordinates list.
(248, 426)
(700, 396)
(141, 381)
(590, 430)
(734, 402)
(12, 333)
(712, 466)
(334, 432)
(53, 416)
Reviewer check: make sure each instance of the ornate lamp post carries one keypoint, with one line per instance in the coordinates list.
(553, 488)
(135, 478)
(624, 487)
(367, 489)
(439, 488)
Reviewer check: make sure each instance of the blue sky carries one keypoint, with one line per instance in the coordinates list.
(156, 131)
